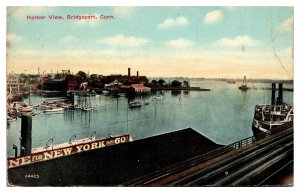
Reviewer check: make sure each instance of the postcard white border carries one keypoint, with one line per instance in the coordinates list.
(5, 3)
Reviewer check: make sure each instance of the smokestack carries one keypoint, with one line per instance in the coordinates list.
(273, 94)
(280, 98)
(26, 128)
(128, 72)
(137, 73)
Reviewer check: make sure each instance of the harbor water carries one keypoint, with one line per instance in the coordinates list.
(223, 115)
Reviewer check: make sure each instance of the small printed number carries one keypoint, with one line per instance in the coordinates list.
(32, 176)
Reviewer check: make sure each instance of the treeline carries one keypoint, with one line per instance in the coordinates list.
(174, 83)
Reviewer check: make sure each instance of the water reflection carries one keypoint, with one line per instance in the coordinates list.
(176, 92)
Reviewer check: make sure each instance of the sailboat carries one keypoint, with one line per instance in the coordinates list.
(244, 86)
(87, 107)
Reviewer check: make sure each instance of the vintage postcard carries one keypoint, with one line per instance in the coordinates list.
(150, 96)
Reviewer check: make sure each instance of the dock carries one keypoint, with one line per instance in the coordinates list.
(114, 165)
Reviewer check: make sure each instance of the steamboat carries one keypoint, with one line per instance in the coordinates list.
(269, 117)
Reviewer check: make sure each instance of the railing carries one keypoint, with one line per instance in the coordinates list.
(249, 140)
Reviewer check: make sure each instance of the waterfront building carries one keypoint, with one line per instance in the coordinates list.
(113, 85)
(67, 83)
(43, 78)
(13, 83)
(128, 79)
(139, 88)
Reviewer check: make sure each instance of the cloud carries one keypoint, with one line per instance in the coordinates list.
(68, 39)
(124, 10)
(169, 22)
(179, 43)
(237, 41)
(288, 25)
(213, 17)
(123, 41)
(21, 12)
(230, 7)
(12, 37)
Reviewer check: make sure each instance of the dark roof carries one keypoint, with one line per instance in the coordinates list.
(116, 164)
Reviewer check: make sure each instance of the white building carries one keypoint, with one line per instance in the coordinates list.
(13, 82)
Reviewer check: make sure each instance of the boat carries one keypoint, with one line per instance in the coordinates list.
(54, 109)
(122, 94)
(93, 93)
(50, 151)
(269, 117)
(78, 107)
(231, 82)
(244, 86)
(31, 113)
(157, 98)
(11, 118)
(135, 104)
(87, 108)
(105, 92)
(26, 108)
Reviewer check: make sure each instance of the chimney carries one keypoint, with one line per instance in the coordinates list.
(280, 98)
(273, 94)
(137, 74)
(128, 72)
(26, 128)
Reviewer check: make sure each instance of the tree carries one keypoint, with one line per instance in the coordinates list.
(154, 82)
(24, 78)
(175, 83)
(81, 76)
(186, 83)
(161, 82)
(59, 76)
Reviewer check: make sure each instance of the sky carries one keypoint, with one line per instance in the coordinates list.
(210, 42)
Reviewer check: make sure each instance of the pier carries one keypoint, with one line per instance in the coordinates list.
(113, 165)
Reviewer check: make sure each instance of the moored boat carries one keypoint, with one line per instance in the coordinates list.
(11, 118)
(268, 117)
(87, 108)
(26, 109)
(158, 98)
(275, 115)
(244, 86)
(135, 104)
(54, 109)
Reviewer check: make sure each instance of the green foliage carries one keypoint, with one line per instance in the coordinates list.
(186, 83)
(59, 76)
(29, 78)
(24, 78)
(81, 76)
(175, 83)
(161, 82)
(154, 82)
